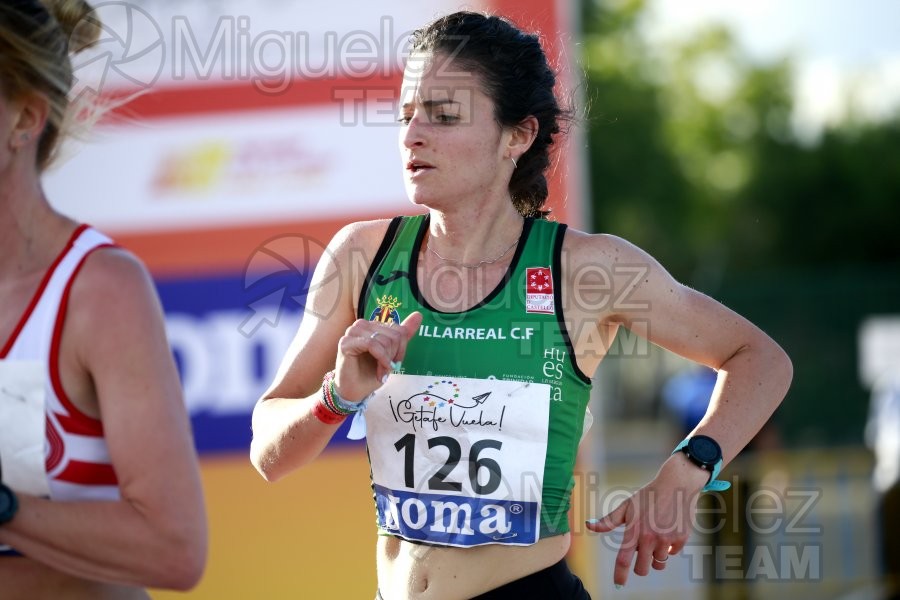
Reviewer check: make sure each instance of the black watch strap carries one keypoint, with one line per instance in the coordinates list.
(9, 504)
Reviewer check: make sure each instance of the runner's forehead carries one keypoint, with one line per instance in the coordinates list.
(429, 83)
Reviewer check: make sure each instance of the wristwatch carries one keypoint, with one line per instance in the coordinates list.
(9, 504)
(706, 453)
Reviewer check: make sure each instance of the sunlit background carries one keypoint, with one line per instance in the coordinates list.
(751, 147)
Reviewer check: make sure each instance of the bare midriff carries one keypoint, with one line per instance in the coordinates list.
(421, 572)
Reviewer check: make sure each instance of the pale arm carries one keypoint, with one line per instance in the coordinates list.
(754, 374)
(286, 433)
(115, 350)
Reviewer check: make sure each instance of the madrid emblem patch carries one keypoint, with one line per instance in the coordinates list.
(539, 290)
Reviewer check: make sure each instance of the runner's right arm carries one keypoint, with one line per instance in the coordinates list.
(286, 433)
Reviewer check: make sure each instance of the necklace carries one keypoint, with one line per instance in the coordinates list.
(487, 261)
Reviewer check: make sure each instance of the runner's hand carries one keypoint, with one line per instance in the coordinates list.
(365, 354)
(658, 519)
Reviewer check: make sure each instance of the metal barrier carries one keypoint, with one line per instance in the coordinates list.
(798, 525)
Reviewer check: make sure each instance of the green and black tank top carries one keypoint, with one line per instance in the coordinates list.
(514, 338)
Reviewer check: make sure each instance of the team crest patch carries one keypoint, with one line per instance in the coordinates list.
(387, 310)
(539, 290)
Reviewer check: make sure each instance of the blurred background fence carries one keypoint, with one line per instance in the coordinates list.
(796, 524)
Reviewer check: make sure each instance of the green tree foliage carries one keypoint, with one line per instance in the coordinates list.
(835, 204)
(693, 157)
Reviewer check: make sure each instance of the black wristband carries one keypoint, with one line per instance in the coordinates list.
(9, 504)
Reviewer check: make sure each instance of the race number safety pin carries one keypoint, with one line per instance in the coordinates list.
(518, 389)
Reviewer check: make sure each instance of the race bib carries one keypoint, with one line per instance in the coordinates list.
(459, 461)
(22, 423)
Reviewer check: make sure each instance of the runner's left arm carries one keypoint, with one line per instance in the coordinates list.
(115, 345)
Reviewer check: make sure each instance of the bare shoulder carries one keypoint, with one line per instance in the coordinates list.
(348, 256)
(613, 277)
(110, 277)
(601, 249)
(363, 236)
(114, 316)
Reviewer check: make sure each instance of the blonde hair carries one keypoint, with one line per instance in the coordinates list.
(37, 38)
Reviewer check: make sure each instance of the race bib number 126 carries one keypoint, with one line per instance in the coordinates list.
(459, 461)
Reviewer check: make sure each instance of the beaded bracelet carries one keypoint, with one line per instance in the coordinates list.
(343, 406)
(328, 395)
(333, 409)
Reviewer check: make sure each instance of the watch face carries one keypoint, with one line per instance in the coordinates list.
(6, 502)
(704, 449)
